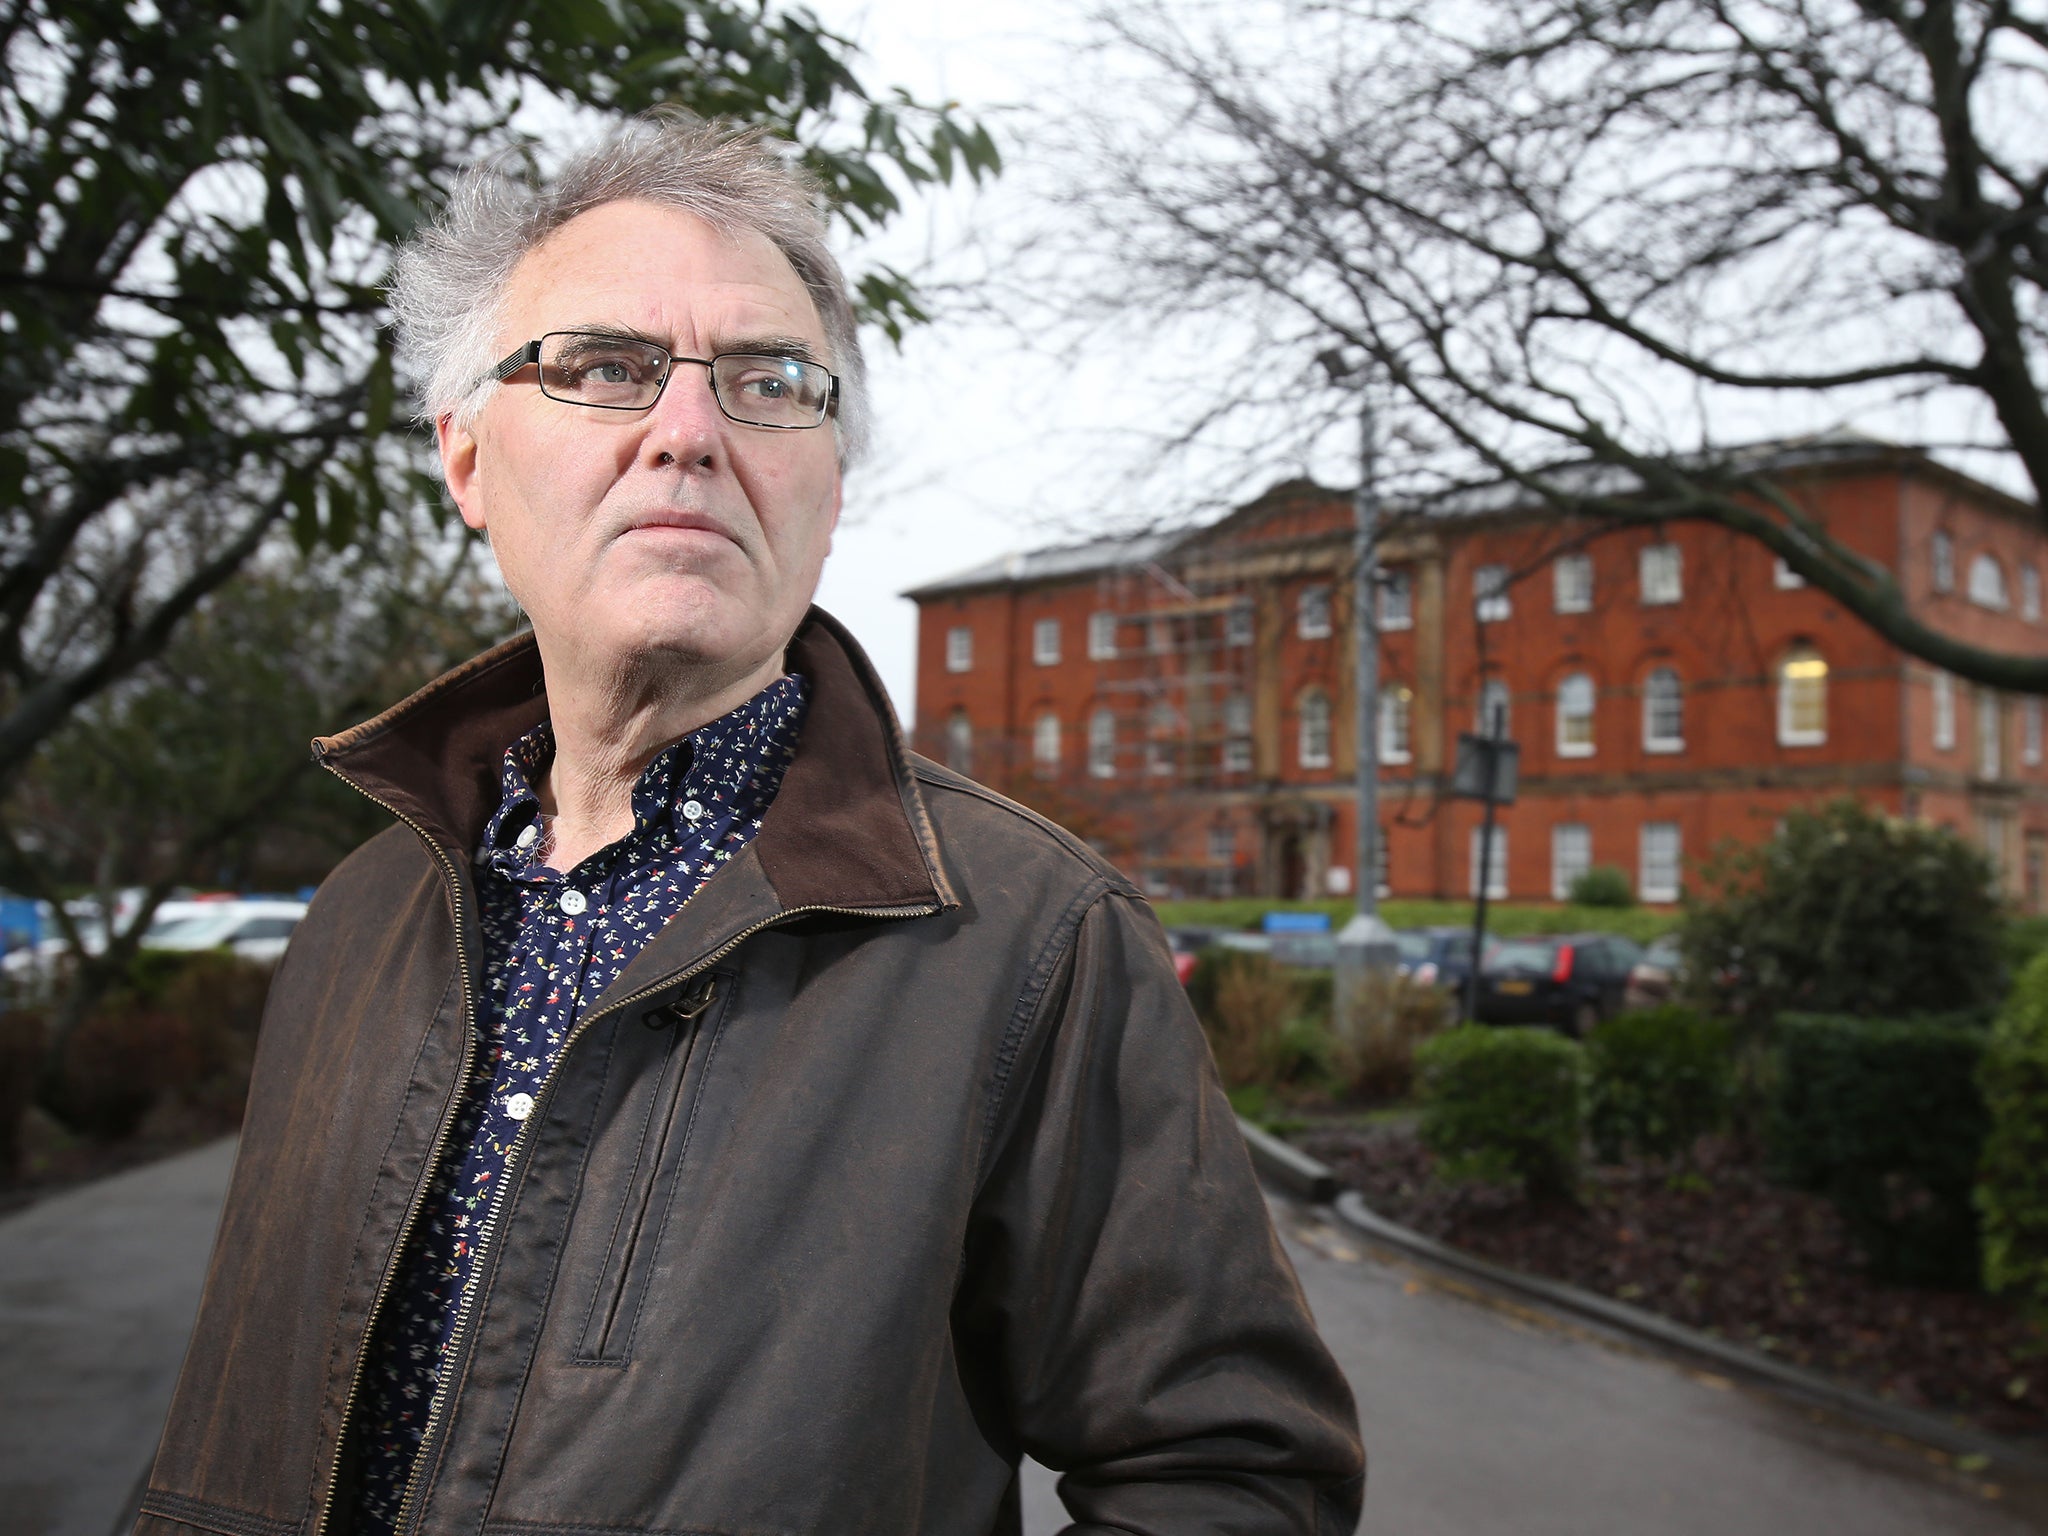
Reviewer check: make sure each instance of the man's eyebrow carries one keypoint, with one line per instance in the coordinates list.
(772, 346)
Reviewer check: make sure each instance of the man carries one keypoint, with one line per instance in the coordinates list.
(698, 1114)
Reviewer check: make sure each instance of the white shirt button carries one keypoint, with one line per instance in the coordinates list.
(573, 902)
(693, 810)
(519, 1106)
(526, 835)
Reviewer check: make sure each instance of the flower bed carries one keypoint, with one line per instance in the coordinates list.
(1731, 1254)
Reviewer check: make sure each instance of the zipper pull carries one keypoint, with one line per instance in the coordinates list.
(689, 1006)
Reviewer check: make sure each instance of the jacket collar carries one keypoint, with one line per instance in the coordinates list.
(848, 829)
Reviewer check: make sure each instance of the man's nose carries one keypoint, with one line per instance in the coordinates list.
(685, 426)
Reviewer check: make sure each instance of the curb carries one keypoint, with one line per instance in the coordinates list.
(1303, 1173)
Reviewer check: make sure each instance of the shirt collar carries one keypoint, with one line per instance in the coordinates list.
(729, 766)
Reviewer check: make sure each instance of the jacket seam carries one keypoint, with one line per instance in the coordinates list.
(1026, 1012)
(619, 1221)
(501, 655)
(943, 778)
(356, 1255)
(205, 1516)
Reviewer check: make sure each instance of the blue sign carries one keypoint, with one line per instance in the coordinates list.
(1297, 922)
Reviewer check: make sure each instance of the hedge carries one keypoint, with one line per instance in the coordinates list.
(1886, 1119)
(1657, 1080)
(2012, 1196)
(1503, 1104)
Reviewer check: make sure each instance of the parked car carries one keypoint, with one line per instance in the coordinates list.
(1569, 981)
(1436, 957)
(255, 930)
(1656, 976)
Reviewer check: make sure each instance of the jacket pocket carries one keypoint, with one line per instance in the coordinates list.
(693, 1021)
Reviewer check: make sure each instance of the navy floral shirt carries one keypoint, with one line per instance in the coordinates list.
(552, 943)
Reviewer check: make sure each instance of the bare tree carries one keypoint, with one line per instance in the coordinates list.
(1591, 247)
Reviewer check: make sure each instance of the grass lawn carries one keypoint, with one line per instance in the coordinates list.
(1639, 923)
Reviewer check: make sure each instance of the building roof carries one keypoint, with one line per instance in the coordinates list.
(1056, 563)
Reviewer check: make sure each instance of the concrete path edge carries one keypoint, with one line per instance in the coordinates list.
(1296, 1172)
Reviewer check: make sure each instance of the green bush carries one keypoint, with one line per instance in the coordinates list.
(1885, 1118)
(1503, 1104)
(1249, 1008)
(1657, 1080)
(1847, 911)
(2012, 1195)
(1374, 1057)
(1602, 886)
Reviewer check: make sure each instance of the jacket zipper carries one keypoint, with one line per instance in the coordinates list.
(412, 1214)
(458, 1335)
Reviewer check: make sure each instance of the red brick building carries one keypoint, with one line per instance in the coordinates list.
(1185, 702)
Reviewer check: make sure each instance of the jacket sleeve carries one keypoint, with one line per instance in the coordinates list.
(1150, 1338)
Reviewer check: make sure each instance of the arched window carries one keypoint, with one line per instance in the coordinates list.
(1314, 743)
(1045, 745)
(1493, 715)
(1663, 712)
(1395, 703)
(1802, 698)
(1102, 744)
(1575, 716)
(959, 742)
(1987, 582)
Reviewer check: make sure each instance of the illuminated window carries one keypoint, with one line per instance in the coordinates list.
(1802, 699)
(1395, 703)
(1575, 700)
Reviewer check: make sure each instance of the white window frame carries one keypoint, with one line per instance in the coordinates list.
(960, 649)
(1987, 582)
(1571, 855)
(1941, 562)
(1102, 636)
(2030, 731)
(1237, 755)
(959, 742)
(1396, 602)
(1490, 601)
(1102, 743)
(1653, 741)
(1568, 744)
(1790, 689)
(2030, 593)
(1494, 690)
(1784, 578)
(1655, 881)
(1990, 722)
(1045, 643)
(1396, 704)
(1496, 869)
(1571, 583)
(1944, 712)
(1660, 575)
(1162, 726)
(1313, 730)
(1045, 744)
(1312, 613)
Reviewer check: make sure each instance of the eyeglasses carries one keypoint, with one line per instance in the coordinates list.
(618, 373)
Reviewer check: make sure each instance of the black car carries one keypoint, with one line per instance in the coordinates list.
(1436, 957)
(1570, 981)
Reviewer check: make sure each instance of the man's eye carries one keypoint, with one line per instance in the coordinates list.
(765, 386)
(611, 369)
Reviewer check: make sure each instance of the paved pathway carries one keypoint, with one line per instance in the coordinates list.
(98, 1288)
(1482, 1419)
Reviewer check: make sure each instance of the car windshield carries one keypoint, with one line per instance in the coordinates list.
(1522, 955)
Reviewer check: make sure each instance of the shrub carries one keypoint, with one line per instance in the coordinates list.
(1656, 1081)
(1374, 1057)
(2012, 1195)
(1244, 1001)
(1503, 1104)
(1602, 886)
(1885, 1118)
(1847, 912)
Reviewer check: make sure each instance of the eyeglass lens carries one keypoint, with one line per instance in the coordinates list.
(618, 373)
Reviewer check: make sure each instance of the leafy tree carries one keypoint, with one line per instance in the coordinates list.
(1847, 911)
(195, 208)
(1583, 245)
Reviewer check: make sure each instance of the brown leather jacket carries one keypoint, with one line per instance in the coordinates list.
(895, 1156)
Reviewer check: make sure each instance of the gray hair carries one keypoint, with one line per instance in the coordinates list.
(448, 281)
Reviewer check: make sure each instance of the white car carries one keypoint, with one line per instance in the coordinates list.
(255, 930)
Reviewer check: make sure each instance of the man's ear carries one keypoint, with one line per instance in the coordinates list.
(458, 468)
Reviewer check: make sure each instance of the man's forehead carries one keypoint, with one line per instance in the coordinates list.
(647, 270)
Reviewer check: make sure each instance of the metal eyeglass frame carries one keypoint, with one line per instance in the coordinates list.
(530, 354)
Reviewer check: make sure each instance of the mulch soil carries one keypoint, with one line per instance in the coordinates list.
(53, 1161)
(1730, 1254)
